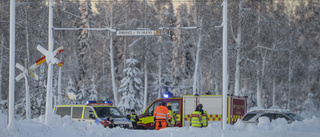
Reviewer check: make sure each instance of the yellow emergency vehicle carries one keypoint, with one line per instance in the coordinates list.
(93, 112)
(184, 106)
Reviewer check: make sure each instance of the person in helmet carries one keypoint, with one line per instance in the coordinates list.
(196, 117)
(203, 114)
(161, 116)
(173, 119)
(134, 119)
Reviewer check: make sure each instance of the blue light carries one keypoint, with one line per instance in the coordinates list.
(91, 102)
(165, 95)
(108, 102)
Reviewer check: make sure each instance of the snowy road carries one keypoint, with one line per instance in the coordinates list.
(64, 127)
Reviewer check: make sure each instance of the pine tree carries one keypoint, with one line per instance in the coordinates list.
(93, 92)
(308, 107)
(130, 88)
(82, 94)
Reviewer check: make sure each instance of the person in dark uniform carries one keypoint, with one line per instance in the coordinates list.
(134, 119)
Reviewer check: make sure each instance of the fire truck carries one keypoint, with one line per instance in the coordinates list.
(184, 106)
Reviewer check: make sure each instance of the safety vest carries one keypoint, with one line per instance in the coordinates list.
(172, 114)
(195, 119)
(161, 113)
(133, 118)
(204, 120)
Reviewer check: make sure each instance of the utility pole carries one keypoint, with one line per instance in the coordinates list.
(11, 64)
(50, 68)
(113, 75)
(225, 64)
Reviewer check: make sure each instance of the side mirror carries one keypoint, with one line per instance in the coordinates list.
(91, 116)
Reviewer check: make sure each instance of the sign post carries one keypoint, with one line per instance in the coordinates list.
(25, 73)
(50, 58)
(72, 97)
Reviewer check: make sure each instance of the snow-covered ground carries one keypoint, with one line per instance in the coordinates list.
(64, 127)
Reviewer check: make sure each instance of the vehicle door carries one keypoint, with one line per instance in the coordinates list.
(89, 115)
(269, 115)
(77, 113)
(289, 120)
(146, 120)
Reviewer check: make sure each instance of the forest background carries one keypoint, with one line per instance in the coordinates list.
(273, 51)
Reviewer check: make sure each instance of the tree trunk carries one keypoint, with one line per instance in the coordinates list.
(145, 84)
(159, 76)
(258, 87)
(274, 92)
(1, 62)
(258, 71)
(238, 48)
(289, 80)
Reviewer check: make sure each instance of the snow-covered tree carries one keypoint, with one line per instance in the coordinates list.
(82, 94)
(252, 99)
(308, 107)
(130, 88)
(83, 39)
(92, 90)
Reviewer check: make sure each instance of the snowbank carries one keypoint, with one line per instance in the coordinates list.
(65, 127)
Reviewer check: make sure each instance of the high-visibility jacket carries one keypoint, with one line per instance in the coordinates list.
(204, 120)
(172, 114)
(196, 119)
(161, 113)
(133, 118)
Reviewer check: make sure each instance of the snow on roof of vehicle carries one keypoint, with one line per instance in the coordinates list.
(271, 110)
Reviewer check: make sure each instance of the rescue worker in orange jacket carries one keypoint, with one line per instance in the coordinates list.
(161, 116)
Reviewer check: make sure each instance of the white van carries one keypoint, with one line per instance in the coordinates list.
(93, 112)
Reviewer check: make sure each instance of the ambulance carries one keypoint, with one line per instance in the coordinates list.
(184, 106)
(95, 112)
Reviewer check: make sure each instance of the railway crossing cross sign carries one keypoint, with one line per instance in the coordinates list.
(50, 57)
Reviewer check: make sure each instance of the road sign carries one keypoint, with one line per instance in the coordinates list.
(137, 32)
(49, 57)
(71, 96)
(24, 72)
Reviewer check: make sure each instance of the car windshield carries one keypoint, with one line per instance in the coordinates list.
(248, 117)
(108, 111)
(295, 116)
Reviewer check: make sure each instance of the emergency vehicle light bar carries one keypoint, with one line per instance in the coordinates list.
(99, 103)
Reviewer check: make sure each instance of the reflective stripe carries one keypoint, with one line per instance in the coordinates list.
(204, 119)
(195, 119)
(195, 115)
(161, 117)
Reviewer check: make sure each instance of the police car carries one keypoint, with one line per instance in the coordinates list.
(95, 112)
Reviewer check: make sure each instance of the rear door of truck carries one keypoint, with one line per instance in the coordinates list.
(237, 108)
(211, 103)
